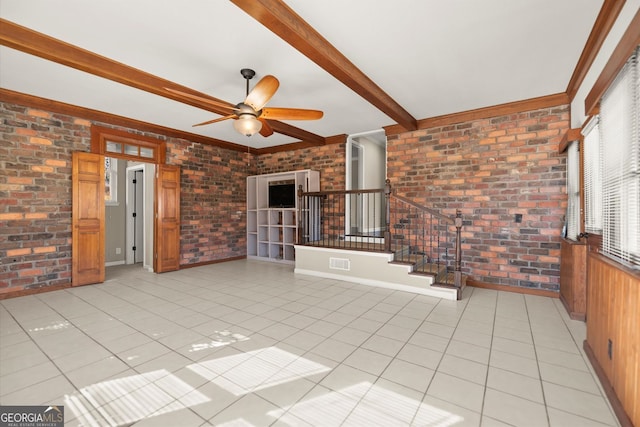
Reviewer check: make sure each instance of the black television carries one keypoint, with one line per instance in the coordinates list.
(282, 196)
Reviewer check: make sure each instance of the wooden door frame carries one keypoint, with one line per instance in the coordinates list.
(99, 138)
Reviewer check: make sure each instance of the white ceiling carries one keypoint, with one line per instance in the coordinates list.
(433, 57)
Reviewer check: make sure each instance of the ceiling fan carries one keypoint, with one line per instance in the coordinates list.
(251, 114)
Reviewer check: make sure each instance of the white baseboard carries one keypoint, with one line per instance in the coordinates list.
(112, 263)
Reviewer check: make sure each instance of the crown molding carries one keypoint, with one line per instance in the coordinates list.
(629, 41)
(486, 112)
(31, 101)
(604, 22)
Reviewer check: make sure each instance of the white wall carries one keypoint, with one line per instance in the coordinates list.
(115, 221)
(375, 161)
(622, 23)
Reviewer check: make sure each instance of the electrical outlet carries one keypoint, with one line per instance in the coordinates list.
(118, 251)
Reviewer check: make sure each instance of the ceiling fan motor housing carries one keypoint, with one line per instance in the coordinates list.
(247, 73)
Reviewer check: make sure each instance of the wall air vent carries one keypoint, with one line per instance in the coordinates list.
(340, 264)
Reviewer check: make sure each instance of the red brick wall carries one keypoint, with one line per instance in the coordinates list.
(490, 169)
(35, 197)
(493, 169)
(212, 200)
(329, 160)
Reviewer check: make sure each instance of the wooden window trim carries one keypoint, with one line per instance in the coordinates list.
(100, 135)
(629, 41)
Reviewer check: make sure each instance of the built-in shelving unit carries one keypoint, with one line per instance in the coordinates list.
(272, 230)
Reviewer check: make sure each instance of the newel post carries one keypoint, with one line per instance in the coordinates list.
(387, 215)
(300, 220)
(458, 269)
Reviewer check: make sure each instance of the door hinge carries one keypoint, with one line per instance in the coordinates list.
(133, 214)
(135, 181)
(133, 248)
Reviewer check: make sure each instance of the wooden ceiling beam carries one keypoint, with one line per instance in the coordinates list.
(294, 132)
(34, 43)
(289, 26)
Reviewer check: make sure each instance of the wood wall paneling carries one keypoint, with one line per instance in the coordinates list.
(613, 314)
(573, 278)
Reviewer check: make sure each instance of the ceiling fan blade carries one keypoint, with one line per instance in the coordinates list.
(262, 92)
(266, 129)
(275, 113)
(219, 119)
(217, 104)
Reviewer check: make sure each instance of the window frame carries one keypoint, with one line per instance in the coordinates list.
(573, 221)
(111, 180)
(618, 134)
(102, 136)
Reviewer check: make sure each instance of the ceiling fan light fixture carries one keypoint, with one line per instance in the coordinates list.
(247, 124)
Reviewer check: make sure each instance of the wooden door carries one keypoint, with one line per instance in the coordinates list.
(167, 224)
(87, 219)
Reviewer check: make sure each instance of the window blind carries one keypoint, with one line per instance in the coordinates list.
(592, 177)
(619, 136)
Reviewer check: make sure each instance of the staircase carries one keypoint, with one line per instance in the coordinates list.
(377, 268)
(419, 251)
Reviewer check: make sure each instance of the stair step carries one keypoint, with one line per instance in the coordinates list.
(405, 257)
(449, 282)
(437, 270)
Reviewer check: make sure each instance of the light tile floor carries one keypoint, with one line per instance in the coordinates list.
(248, 343)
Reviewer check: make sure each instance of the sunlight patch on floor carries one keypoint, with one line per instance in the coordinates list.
(374, 405)
(255, 370)
(126, 400)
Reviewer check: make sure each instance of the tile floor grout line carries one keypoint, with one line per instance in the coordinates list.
(535, 350)
(486, 377)
(444, 351)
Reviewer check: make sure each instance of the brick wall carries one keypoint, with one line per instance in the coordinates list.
(329, 160)
(212, 201)
(35, 197)
(493, 169)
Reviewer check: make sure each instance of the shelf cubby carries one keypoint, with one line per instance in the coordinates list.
(272, 231)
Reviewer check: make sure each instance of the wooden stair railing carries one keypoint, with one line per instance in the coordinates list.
(387, 222)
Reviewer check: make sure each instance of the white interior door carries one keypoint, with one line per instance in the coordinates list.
(140, 210)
